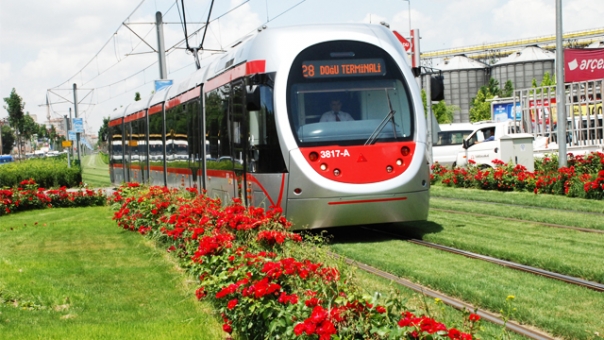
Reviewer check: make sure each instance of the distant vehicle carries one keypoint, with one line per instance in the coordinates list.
(484, 151)
(6, 159)
(450, 142)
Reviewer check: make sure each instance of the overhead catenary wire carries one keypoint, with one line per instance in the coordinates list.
(125, 80)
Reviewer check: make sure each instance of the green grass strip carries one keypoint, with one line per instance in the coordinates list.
(437, 309)
(519, 198)
(95, 173)
(559, 250)
(72, 274)
(566, 218)
(561, 309)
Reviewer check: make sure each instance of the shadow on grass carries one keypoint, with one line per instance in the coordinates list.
(370, 234)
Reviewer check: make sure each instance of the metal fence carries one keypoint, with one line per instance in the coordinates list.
(536, 112)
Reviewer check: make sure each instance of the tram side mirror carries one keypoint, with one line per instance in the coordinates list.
(465, 143)
(437, 88)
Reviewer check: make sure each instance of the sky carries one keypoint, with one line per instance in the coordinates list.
(106, 47)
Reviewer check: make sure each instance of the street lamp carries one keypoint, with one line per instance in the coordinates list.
(409, 13)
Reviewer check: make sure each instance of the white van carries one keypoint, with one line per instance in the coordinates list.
(482, 149)
(450, 142)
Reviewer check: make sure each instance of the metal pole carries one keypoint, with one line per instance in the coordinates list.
(67, 134)
(1, 125)
(161, 49)
(560, 88)
(409, 11)
(75, 110)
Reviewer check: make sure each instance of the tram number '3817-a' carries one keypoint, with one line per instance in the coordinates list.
(334, 153)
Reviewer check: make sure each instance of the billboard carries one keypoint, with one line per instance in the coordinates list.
(583, 64)
(504, 111)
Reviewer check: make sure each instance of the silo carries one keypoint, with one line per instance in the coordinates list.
(521, 67)
(462, 79)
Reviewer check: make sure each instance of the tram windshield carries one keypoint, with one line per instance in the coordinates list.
(353, 112)
(348, 93)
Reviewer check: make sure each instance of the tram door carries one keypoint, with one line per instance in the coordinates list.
(239, 139)
(225, 134)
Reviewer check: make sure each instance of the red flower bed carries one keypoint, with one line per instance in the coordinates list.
(28, 195)
(264, 280)
(584, 177)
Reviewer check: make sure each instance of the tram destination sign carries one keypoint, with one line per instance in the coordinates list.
(343, 68)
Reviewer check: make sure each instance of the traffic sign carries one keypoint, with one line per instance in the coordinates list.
(406, 43)
(78, 125)
(71, 135)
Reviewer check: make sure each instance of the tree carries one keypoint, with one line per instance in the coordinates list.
(103, 130)
(546, 81)
(14, 106)
(8, 139)
(137, 96)
(30, 127)
(480, 108)
(442, 111)
(508, 89)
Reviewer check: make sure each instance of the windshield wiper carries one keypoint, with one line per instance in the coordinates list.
(389, 117)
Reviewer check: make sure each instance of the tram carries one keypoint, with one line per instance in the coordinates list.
(250, 124)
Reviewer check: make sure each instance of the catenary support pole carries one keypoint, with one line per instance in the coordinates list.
(161, 50)
(75, 110)
(560, 88)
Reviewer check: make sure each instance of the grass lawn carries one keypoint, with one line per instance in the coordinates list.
(561, 309)
(95, 173)
(76, 275)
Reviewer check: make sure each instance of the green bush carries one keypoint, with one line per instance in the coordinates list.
(48, 173)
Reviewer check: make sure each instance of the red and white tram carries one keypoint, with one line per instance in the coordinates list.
(248, 124)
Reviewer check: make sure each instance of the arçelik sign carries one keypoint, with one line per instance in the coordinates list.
(583, 64)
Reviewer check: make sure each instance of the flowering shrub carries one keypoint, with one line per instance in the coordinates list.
(265, 281)
(28, 195)
(584, 176)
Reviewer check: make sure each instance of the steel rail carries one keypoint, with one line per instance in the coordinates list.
(553, 225)
(512, 265)
(457, 304)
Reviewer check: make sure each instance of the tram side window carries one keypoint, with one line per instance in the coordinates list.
(238, 124)
(176, 134)
(194, 130)
(156, 144)
(115, 142)
(264, 154)
(217, 129)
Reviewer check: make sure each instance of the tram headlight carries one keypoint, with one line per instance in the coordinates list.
(313, 156)
(389, 169)
(323, 166)
(405, 151)
(399, 162)
(336, 172)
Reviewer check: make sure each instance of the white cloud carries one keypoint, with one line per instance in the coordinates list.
(44, 43)
(5, 72)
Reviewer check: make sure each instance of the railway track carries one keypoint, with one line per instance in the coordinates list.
(455, 303)
(513, 265)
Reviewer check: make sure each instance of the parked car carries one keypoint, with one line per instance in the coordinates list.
(450, 142)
